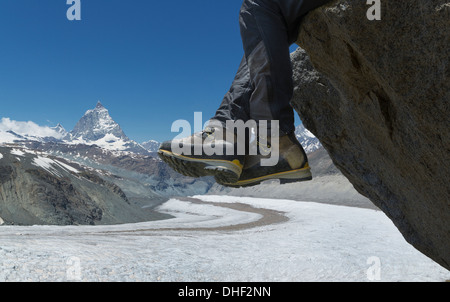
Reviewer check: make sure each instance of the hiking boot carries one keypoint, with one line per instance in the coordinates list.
(292, 165)
(204, 154)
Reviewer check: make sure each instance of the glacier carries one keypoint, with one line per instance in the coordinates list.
(222, 238)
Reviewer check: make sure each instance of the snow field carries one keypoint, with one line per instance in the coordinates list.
(319, 242)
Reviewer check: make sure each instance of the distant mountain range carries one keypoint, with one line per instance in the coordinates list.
(50, 170)
(96, 127)
(38, 188)
(38, 164)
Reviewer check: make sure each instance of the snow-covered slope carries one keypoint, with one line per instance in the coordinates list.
(39, 188)
(309, 142)
(151, 145)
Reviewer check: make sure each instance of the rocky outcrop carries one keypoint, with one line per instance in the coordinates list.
(36, 188)
(382, 108)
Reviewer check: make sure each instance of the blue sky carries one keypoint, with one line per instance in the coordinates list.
(149, 62)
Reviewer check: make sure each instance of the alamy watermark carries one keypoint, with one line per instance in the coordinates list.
(73, 272)
(373, 273)
(74, 11)
(374, 11)
(235, 138)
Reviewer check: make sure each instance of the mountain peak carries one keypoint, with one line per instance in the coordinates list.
(60, 129)
(99, 105)
(97, 124)
(59, 126)
(96, 127)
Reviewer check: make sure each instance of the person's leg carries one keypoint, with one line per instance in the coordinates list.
(261, 91)
(235, 104)
(263, 88)
(266, 39)
(266, 46)
(207, 153)
(293, 11)
(189, 155)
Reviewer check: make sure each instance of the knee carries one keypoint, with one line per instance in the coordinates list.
(249, 4)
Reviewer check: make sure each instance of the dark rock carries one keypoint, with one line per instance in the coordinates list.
(382, 111)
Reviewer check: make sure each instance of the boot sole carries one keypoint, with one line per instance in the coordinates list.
(224, 171)
(284, 177)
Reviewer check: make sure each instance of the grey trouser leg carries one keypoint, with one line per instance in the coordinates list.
(263, 86)
(235, 104)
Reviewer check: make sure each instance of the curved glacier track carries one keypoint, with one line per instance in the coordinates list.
(250, 217)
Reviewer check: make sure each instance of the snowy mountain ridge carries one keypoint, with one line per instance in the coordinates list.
(60, 129)
(309, 142)
(40, 188)
(151, 145)
(12, 131)
(96, 127)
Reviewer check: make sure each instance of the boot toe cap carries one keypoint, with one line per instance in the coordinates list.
(166, 146)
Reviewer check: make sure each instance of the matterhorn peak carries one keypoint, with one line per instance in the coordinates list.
(97, 124)
(99, 105)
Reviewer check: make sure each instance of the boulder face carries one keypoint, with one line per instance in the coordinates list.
(378, 99)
